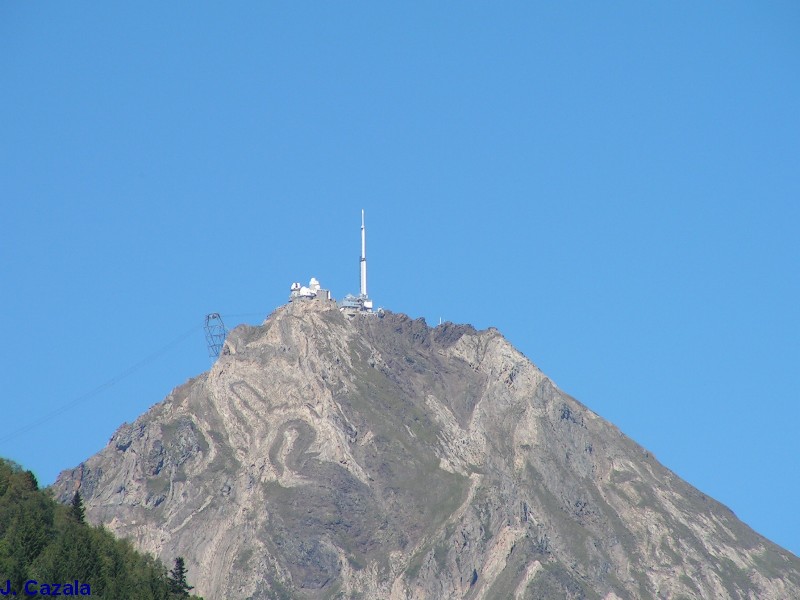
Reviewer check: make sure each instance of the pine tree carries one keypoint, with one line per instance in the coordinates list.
(77, 511)
(178, 586)
(32, 481)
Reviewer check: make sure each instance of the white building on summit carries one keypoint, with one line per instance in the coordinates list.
(313, 290)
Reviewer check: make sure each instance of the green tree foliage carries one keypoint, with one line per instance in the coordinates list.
(178, 586)
(77, 511)
(48, 542)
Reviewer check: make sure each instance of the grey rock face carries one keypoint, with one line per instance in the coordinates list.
(378, 458)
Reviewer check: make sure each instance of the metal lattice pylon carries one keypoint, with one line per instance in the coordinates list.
(215, 334)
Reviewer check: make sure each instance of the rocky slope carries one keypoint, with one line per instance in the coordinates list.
(327, 456)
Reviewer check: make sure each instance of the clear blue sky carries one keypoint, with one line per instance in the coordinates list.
(614, 186)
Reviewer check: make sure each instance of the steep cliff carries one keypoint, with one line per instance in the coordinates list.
(326, 456)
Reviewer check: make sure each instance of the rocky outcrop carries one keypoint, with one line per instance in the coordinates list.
(326, 456)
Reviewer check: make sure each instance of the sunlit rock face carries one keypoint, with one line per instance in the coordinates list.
(327, 456)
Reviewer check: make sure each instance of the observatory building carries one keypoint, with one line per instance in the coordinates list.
(313, 290)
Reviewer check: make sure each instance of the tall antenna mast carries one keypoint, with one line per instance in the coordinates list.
(363, 257)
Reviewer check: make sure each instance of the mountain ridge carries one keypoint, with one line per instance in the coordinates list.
(328, 456)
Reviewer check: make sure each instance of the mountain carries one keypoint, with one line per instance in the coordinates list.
(335, 456)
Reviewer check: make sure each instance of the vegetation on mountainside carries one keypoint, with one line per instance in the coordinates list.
(44, 541)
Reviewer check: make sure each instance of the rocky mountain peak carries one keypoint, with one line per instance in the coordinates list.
(365, 456)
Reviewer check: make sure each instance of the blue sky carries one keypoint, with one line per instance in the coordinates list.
(615, 187)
